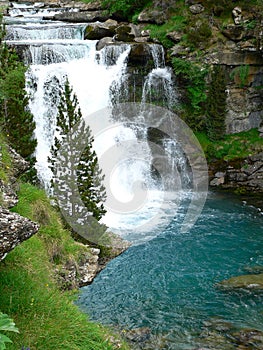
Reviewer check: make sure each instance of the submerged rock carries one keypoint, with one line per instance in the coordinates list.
(250, 282)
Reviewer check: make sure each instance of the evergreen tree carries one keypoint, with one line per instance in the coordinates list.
(216, 105)
(73, 161)
(15, 118)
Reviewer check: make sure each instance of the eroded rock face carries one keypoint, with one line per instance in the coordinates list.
(247, 175)
(14, 229)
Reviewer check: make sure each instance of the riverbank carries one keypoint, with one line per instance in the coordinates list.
(30, 292)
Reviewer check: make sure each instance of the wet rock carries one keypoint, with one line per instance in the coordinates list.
(124, 33)
(254, 269)
(140, 54)
(81, 17)
(138, 335)
(14, 229)
(97, 31)
(196, 9)
(249, 339)
(104, 42)
(250, 282)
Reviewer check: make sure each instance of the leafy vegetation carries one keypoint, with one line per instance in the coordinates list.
(159, 32)
(193, 77)
(240, 74)
(5, 159)
(45, 316)
(6, 325)
(216, 104)
(16, 120)
(125, 8)
(232, 146)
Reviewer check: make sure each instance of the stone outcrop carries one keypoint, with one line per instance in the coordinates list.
(80, 17)
(75, 274)
(243, 282)
(243, 175)
(8, 187)
(14, 229)
(96, 31)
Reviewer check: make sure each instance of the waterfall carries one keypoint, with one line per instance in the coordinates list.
(56, 51)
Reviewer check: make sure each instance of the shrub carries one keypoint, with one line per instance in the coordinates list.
(216, 105)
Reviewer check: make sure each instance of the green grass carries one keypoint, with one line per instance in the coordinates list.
(234, 146)
(45, 316)
(5, 160)
(175, 23)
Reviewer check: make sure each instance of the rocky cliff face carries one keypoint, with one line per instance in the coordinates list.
(246, 175)
(235, 43)
(14, 229)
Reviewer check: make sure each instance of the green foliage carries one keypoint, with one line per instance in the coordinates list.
(193, 77)
(241, 74)
(16, 120)
(216, 105)
(5, 159)
(6, 325)
(198, 35)
(126, 8)
(74, 139)
(46, 317)
(233, 146)
(159, 32)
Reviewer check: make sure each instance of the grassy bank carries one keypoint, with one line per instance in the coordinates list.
(231, 147)
(46, 317)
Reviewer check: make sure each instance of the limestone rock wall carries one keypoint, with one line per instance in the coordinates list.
(244, 175)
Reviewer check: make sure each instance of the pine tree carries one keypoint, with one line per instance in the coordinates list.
(216, 105)
(15, 118)
(74, 163)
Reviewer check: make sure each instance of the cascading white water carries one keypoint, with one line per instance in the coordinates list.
(56, 51)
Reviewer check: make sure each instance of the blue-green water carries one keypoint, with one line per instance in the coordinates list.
(168, 283)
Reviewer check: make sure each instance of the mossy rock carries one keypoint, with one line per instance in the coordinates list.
(254, 282)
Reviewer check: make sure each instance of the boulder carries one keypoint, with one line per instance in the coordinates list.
(237, 15)
(140, 54)
(81, 17)
(14, 229)
(97, 31)
(124, 33)
(196, 9)
(243, 282)
(19, 164)
(234, 32)
(104, 42)
(174, 36)
(152, 15)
